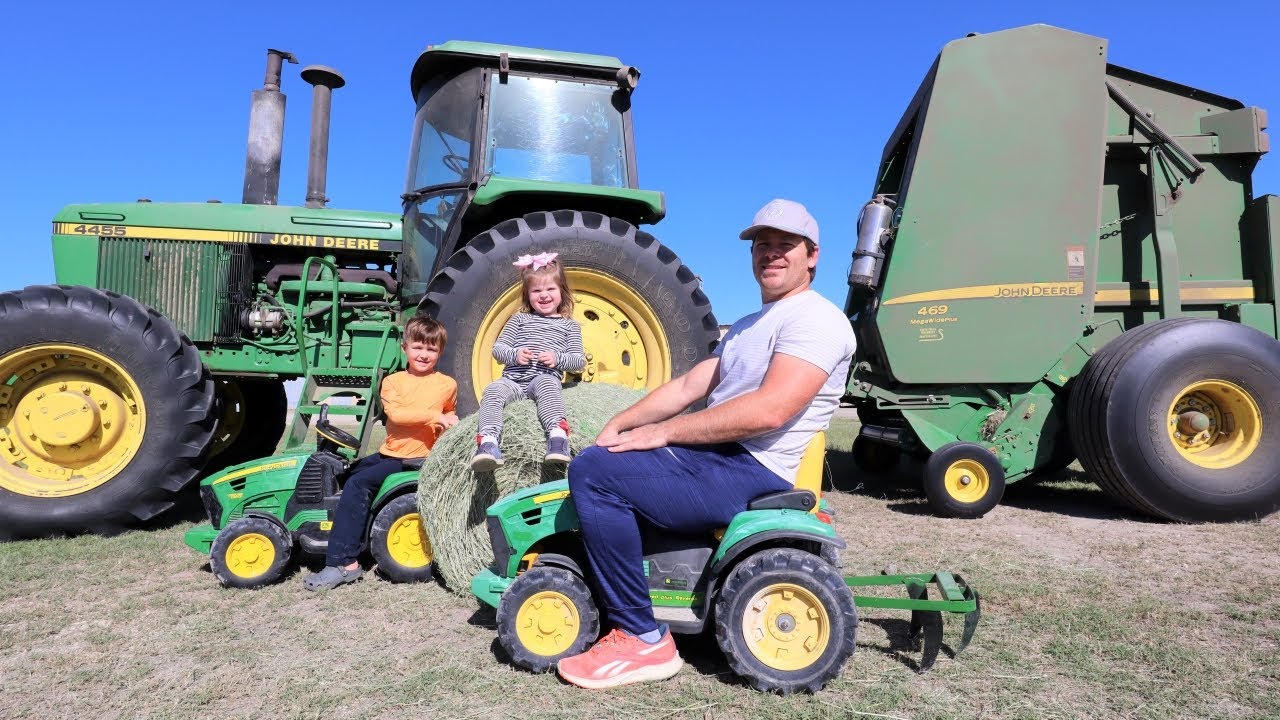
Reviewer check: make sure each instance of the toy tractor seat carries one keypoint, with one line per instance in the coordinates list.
(808, 486)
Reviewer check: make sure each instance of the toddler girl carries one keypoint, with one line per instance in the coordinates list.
(537, 344)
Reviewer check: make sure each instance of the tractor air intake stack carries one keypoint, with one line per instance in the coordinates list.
(324, 81)
(266, 135)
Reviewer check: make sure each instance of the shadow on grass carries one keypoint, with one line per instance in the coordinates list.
(1068, 492)
(902, 647)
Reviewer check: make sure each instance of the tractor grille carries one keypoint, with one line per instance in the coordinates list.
(317, 478)
(200, 286)
(212, 508)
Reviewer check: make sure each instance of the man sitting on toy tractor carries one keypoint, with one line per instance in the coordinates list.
(774, 381)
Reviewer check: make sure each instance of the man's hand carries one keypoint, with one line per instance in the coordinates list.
(548, 358)
(524, 356)
(645, 437)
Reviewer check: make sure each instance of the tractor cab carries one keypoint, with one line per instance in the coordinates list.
(495, 124)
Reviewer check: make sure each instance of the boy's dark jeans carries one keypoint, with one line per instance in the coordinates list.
(351, 517)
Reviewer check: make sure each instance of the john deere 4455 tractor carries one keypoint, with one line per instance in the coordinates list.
(174, 325)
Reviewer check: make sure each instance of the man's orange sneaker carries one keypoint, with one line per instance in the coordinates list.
(622, 659)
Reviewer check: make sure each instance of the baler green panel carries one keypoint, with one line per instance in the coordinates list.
(190, 283)
(999, 202)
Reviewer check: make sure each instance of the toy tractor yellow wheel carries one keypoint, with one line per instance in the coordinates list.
(251, 420)
(399, 542)
(250, 553)
(963, 480)
(105, 411)
(1180, 419)
(643, 315)
(546, 615)
(786, 621)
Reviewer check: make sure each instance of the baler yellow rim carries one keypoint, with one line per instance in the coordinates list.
(979, 480)
(1235, 424)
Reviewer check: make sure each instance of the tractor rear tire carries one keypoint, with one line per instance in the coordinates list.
(643, 314)
(251, 419)
(546, 615)
(1135, 402)
(786, 621)
(399, 544)
(105, 412)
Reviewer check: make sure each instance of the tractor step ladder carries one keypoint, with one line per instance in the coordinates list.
(355, 391)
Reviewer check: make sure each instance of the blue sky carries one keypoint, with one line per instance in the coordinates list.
(739, 102)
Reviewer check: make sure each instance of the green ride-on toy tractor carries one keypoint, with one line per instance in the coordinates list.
(769, 584)
(261, 510)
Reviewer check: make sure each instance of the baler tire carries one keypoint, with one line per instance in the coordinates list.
(546, 590)
(779, 583)
(465, 295)
(399, 543)
(948, 496)
(1123, 421)
(148, 353)
(263, 410)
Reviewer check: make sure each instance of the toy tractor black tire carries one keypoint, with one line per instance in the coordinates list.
(786, 621)
(250, 553)
(644, 316)
(251, 420)
(1180, 419)
(547, 614)
(105, 411)
(963, 480)
(399, 543)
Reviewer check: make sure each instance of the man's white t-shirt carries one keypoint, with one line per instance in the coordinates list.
(807, 326)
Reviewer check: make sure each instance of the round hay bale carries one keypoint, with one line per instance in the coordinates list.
(453, 500)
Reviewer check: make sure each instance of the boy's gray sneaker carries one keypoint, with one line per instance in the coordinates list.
(331, 577)
(557, 450)
(487, 457)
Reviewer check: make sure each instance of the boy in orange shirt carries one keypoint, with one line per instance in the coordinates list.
(420, 404)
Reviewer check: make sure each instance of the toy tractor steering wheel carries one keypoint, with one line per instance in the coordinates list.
(326, 431)
(456, 163)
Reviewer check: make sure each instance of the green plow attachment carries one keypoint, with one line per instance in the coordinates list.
(926, 614)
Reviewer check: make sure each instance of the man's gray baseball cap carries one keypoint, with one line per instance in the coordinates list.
(785, 215)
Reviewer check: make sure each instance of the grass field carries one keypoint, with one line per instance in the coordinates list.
(1089, 612)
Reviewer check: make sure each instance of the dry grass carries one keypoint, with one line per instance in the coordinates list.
(1089, 612)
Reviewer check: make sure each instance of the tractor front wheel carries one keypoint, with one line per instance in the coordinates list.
(786, 621)
(250, 552)
(399, 542)
(105, 411)
(545, 616)
(643, 314)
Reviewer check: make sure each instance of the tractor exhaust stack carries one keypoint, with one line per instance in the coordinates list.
(266, 135)
(324, 81)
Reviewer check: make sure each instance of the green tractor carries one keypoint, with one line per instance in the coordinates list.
(769, 584)
(167, 342)
(260, 511)
(1064, 259)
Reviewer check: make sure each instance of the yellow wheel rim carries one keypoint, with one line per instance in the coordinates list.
(70, 420)
(786, 627)
(230, 418)
(1214, 424)
(250, 555)
(407, 541)
(548, 623)
(967, 481)
(623, 338)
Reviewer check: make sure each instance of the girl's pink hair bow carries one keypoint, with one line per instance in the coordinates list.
(535, 262)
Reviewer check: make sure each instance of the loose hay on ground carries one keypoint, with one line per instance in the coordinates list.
(453, 500)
